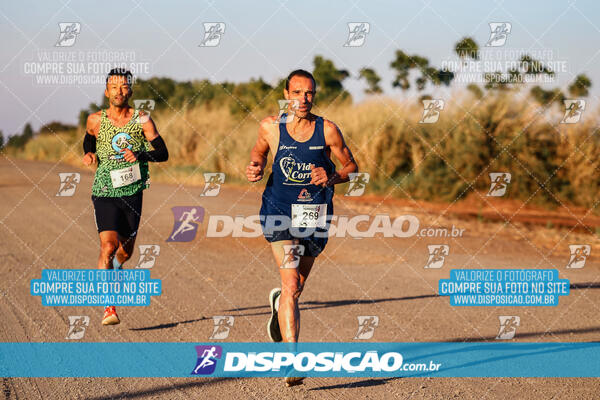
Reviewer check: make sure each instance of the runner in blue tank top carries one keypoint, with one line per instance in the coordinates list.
(297, 201)
(291, 205)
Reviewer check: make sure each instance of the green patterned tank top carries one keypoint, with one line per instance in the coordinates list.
(110, 140)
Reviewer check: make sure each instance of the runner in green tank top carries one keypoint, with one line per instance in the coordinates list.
(118, 140)
(109, 143)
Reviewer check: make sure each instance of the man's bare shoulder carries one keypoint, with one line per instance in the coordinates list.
(146, 119)
(93, 122)
(95, 117)
(270, 120)
(269, 124)
(331, 130)
(330, 125)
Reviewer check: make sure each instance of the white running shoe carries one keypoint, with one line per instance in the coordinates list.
(273, 325)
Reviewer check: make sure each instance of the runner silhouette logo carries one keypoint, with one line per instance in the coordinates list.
(207, 359)
(68, 183)
(185, 224)
(148, 254)
(498, 34)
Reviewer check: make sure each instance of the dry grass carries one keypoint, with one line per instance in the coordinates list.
(549, 162)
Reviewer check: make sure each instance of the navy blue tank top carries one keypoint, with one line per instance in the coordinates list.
(289, 182)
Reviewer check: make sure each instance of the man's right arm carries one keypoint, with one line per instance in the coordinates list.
(89, 141)
(260, 151)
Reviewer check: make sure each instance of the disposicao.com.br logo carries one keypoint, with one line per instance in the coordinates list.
(316, 360)
(358, 226)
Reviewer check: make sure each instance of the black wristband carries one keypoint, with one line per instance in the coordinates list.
(89, 143)
(141, 155)
(160, 152)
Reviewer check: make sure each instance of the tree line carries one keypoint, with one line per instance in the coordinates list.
(242, 98)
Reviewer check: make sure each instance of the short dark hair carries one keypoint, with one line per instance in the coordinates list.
(121, 72)
(299, 72)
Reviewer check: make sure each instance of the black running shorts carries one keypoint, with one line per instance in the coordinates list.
(121, 214)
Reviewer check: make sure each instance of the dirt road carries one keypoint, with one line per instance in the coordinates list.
(233, 276)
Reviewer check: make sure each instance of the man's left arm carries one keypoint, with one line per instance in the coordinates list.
(339, 149)
(160, 152)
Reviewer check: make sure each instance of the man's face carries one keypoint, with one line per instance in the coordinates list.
(118, 91)
(303, 90)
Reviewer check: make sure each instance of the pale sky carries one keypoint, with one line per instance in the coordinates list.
(268, 39)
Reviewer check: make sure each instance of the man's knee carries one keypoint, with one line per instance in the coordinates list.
(298, 292)
(125, 253)
(108, 247)
(292, 289)
(126, 248)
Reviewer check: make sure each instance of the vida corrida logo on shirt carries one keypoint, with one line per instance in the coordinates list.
(296, 173)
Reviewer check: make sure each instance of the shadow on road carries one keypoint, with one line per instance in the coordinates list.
(311, 305)
(585, 285)
(529, 334)
(531, 349)
(162, 389)
(359, 384)
(169, 325)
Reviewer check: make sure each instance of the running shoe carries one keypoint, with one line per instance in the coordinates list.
(273, 325)
(293, 381)
(110, 316)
